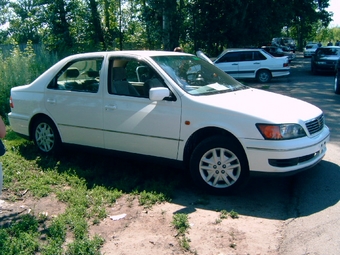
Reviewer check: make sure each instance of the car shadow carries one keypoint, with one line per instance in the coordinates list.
(277, 198)
(267, 197)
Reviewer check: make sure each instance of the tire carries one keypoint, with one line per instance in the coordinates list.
(215, 174)
(313, 69)
(337, 83)
(263, 76)
(46, 136)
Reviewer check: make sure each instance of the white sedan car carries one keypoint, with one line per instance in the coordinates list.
(174, 106)
(310, 49)
(252, 63)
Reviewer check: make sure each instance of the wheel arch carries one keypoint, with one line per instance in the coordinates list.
(264, 69)
(202, 134)
(34, 119)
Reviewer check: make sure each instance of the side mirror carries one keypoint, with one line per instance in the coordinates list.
(158, 94)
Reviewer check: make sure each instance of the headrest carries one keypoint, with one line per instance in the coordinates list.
(92, 74)
(118, 73)
(72, 72)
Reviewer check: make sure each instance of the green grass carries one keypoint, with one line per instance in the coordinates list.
(87, 183)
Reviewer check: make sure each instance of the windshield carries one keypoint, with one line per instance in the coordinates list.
(196, 76)
(328, 52)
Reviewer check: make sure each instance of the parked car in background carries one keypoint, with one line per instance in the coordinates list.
(337, 78)
(309, 50)
(325, 59)
(278, 52)
(286, 43)
(173, 106)
(252, 63)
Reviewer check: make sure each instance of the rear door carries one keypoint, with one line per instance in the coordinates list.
(74, 101)
(250, 62)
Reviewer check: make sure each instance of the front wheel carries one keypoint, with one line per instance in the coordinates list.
(263, 76)
(46, 136)
(219, 165)
(337, 83)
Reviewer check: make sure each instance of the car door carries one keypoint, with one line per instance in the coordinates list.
(249, 63)
(74, 101)
(133, 123)
(229, 63)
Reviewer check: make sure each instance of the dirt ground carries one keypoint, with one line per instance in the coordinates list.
(150, 231)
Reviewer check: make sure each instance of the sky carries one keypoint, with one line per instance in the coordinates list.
(334, 6)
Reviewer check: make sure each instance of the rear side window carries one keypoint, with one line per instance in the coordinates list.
(259, 56)
(79, 76)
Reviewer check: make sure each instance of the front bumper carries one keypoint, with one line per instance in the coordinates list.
(282, 157)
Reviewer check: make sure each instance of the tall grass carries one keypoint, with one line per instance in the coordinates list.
(20, 68)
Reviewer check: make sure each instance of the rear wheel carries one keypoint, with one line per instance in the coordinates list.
(263, 76)
(219, 165)
(46, 136)
(337, 83)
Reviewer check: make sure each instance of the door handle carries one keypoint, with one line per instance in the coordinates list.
(51, 100)
(110, 107)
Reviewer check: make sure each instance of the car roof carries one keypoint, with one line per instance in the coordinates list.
(239, 49)
(142, 53)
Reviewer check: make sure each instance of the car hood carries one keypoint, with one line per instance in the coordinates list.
(263, 106)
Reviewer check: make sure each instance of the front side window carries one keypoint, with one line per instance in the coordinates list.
(79, 76)
(132, 77)
(196, 76)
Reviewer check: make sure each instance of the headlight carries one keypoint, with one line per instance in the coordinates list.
(281, 131)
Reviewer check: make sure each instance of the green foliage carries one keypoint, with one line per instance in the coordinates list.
(68, 27)
(21, 237)
(181, 223)
(20, 68)
(148, 199)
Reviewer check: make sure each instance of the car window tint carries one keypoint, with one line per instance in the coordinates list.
(259, 56)
(230, 57)
(328, 52)
(246, 56)
(79, 76)
(131, 77)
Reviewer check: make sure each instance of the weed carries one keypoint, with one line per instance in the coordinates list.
(148, 199)
(181, 223)
(218, 221)
(233, 214)
(223, 214)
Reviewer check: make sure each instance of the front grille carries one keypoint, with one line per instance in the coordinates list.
(315, 125)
